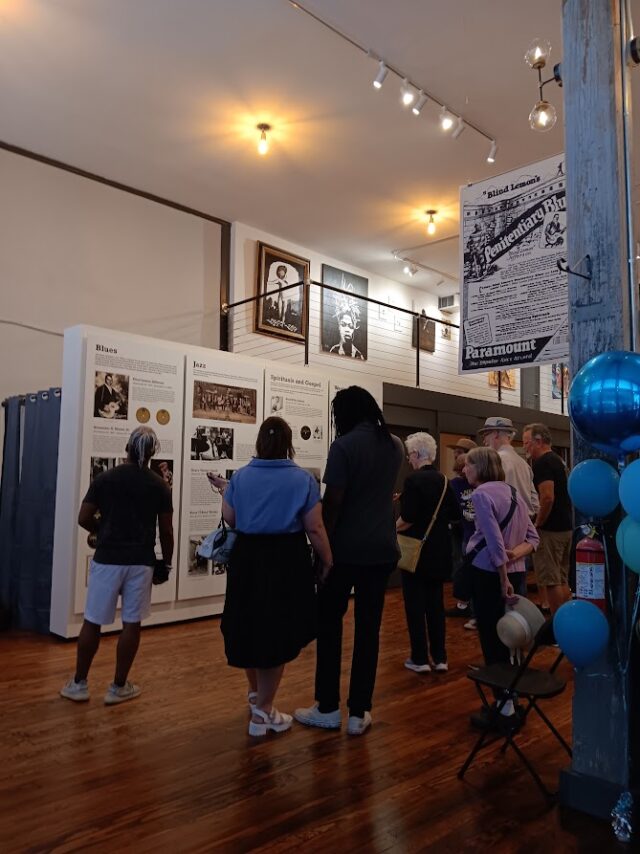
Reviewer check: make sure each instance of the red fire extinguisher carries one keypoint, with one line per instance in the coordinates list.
(591, 577)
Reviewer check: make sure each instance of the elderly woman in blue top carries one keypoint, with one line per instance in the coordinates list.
(269, 612)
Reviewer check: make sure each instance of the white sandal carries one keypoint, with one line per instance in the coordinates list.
(274, 720)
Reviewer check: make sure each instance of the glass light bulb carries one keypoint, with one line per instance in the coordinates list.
(538, 53)
(542, 117)
(446, 121)
(431, 227)
(263, 145)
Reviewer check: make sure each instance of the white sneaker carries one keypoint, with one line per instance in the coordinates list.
(120, 694)
(274, 720)
(441, 667)
(312, 717)
(472, 625)
(78, 691)
(356, 726)
(417, 668)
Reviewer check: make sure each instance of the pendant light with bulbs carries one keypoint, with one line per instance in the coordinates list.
(431, 224)
(543, 116)
(263, 142)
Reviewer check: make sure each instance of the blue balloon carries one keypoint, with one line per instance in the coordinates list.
(630, 490)
(594, 488)
(628, 543)
(581, 630)
(604, 402)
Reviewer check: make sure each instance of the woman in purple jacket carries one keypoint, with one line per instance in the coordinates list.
(498, 549)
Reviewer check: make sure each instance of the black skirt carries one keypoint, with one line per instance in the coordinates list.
(270, 609)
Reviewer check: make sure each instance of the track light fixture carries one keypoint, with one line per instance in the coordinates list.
(417, 107)
(380, 76)
(458, 129)
(413, 94)
(407, 94)
(431, 224)
(263, 142)
(410, 270)
(543, 116)
(491, 156)
(446, 119)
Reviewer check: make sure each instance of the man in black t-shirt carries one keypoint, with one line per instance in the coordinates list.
(554, 519)
(122, 507)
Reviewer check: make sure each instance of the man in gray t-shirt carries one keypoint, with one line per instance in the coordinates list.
(360, 476)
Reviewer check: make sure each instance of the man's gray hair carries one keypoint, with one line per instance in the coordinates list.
(423, 444)
(142, 445)
(539, 431)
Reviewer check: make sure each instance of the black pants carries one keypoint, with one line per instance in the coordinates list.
(369, 584)
(424, 609)
(488, 606)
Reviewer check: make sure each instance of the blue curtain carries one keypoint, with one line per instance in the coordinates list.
(35, 513)
(9, 505)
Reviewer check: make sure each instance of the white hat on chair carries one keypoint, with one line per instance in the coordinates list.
(521, 623)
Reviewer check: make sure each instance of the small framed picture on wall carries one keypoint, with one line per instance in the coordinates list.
(343, 317)
(281, 310)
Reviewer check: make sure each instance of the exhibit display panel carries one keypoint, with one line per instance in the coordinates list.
(206, 407)
(223, 410)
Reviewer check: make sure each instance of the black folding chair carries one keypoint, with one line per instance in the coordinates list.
(517, 682)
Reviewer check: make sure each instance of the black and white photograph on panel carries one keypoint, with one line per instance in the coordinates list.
(212, 443)
(99, 465)
(343, 316)
(224, 402)
(427, 332)
(163, 468)
(281, 311)
(197, 565)
(111, 397)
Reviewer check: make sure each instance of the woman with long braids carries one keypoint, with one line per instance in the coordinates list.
(360, 476)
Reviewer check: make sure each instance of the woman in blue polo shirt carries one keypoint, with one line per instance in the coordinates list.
(269, 611)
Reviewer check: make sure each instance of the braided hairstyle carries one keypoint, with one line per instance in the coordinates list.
(142, 445)
(352, 406)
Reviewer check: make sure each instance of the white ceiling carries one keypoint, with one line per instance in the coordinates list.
(164, 95)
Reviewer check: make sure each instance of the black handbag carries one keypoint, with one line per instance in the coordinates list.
(462, 580)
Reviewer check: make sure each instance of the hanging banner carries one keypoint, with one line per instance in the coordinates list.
(514, 308)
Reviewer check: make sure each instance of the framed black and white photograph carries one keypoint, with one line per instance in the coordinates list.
(343, 316)
(427, 333)
(212, 443)
(280, 312)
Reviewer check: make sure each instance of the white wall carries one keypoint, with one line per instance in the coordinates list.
(390, 355)
(74, 251)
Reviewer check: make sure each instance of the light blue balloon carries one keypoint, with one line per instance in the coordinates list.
(630, 490)
(594, 488)
(628, 542)
(582, 631)
(604, 402)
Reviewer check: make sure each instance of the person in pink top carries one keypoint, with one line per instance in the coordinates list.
(504, 536)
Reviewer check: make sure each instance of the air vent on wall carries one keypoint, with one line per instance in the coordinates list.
(450, 304)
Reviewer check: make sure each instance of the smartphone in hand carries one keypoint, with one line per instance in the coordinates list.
(217, 481)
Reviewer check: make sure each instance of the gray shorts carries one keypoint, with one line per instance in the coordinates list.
(107, 582)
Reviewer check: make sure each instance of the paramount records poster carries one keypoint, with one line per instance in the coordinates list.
(514, 308)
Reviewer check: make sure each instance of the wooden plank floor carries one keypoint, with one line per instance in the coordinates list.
(176, 771)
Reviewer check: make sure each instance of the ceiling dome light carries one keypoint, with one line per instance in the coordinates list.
(542, 117)
(417, 107)
(538, 53)
(263, 142)
(431, 225)
(380, 76)
(407, 93)
(491, 156)
(446, 119)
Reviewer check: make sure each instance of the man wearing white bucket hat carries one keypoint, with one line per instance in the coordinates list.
(497, 433)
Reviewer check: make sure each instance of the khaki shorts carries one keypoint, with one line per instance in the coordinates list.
(551, 559)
